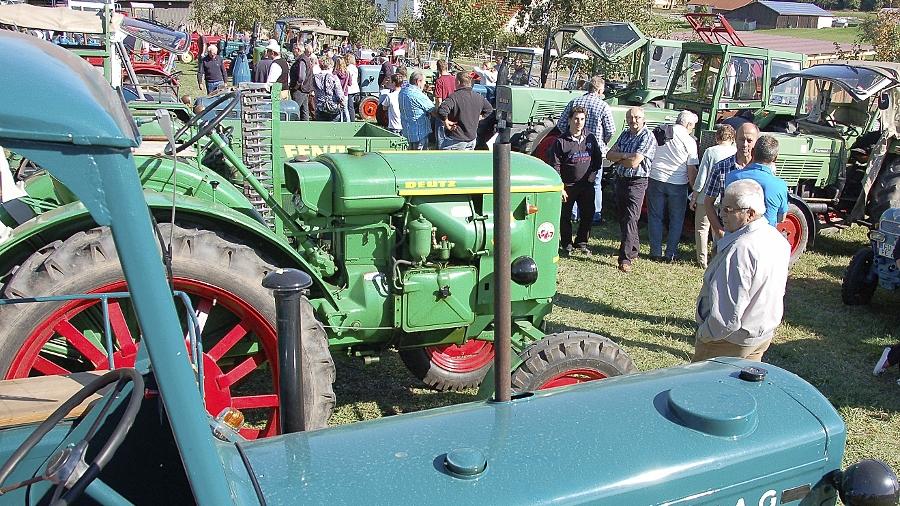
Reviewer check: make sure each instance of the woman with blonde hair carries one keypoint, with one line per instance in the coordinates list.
(352, 90)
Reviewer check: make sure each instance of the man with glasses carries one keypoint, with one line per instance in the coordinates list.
(741, 301)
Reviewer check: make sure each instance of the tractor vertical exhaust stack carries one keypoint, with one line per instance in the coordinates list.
(502, 267)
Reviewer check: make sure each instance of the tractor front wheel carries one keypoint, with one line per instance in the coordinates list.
(795, 229)
(569, 358)
(857, 287)
(186, 57)
(538, 140)
(235, 315)
(450, 367)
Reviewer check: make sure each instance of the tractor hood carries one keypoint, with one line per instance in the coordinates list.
(610, 40)
(85, 109)
(861, 80)
(694, 434)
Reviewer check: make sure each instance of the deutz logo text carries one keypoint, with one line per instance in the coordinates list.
(434, 183)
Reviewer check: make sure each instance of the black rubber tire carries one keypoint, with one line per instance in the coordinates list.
(532, 136)
(794, 212)
(570, 350)
(89, 259)
(856, 290)
(437, 378)
(885, 193)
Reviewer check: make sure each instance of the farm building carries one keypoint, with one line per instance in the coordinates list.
(715, 6)
(769, 14)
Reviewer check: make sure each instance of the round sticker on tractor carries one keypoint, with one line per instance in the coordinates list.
(546, 232)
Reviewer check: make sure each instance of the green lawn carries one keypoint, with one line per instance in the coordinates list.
(650, 313)
(841, 35)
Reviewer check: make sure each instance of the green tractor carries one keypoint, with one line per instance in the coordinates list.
(743, 434)
(400, 255)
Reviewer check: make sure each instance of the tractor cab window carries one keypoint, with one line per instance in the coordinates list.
(826, 103)
(663, 60)
(788, 92)
(743, 78)
(696, 79)
(524, 68)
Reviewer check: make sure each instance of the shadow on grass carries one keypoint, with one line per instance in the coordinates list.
(594, 307)
(836, 245)
(834, 271)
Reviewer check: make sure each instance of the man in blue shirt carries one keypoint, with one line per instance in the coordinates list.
(761, 170)
(415, 112)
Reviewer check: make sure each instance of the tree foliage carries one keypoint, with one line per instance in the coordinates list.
(883, 32)
(469, 24)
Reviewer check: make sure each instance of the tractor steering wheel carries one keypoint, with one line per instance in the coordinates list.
(207, 125)
(67, 467)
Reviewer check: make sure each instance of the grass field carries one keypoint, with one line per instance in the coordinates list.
(845, 36)
(650, 313)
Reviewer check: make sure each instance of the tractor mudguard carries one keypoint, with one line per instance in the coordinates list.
(74, 217)
(811, 220)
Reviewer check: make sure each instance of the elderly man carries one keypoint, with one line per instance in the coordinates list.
(273, 69)
(762, 170)
(667, 191)
(742, 298)
(415, 112)
(600, 122)
(631, 157)
(301, 79)
(745, 139)
(461, 113)
(211, 68)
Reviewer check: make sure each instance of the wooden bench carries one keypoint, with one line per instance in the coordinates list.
(30, 400)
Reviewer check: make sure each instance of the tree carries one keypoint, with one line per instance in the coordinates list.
(468, 24)
(883, 31)
(362, 18)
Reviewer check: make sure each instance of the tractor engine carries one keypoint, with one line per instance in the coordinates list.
(410, 238)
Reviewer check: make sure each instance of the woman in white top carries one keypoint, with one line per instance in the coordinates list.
(353, 88)
(723, 149)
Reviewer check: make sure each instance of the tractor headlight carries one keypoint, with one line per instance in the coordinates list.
(867, 482)
(876, 236)
(524, 270)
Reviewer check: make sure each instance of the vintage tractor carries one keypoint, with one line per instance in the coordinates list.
(874, 265)
(745, 435)
(400, 257)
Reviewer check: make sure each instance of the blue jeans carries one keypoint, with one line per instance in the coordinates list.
(419, 145)
(211, 86)
(452, 144)
(663, 197)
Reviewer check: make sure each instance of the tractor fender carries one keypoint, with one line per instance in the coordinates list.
(811, 220)
(68, 219)
(191, 181)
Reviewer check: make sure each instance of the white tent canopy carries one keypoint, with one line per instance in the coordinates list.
(59, 19)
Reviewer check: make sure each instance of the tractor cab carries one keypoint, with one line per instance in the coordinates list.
(307, 31)
(436, 51)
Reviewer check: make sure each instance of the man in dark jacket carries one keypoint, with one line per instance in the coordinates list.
(211, 68)
(301, 75)
(577, 156)
(461, 112)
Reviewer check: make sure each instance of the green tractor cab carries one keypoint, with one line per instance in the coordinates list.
(744, 434)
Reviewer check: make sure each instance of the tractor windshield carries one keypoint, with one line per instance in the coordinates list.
(525, 67)
(827, 103)
(663, 60)
(697, 77)
(744, 78)
(787, 92)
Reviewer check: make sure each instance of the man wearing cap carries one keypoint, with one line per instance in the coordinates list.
(273, 69)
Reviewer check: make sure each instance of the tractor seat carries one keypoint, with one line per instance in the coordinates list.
(32, 400)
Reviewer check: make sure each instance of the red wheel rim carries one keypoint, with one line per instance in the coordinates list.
(544, 146)
(368, 108)
(792, 230)
(572, 377)
(462, 358)
(225, 366)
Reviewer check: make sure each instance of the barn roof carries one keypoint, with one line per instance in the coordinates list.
(795, 8)
(721, 5)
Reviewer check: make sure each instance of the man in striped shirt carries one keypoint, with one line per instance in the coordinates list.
(599, 122)
(745, 139)
(631, 157)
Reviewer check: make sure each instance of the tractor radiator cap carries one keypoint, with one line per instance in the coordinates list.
(465, 462)
(753, 374)
(356, 151)
(714, 408)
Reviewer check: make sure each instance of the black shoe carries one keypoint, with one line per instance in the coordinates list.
(584, 250)
(567, 251)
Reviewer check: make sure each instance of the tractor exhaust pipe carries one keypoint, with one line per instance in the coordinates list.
(502, 267)
(288, 286)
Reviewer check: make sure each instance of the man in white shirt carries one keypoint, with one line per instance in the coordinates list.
(667, 190)
(390, 102)
(742, 298)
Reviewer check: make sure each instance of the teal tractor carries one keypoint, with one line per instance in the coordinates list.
(718, 432)
(874, 265)
(399, 251)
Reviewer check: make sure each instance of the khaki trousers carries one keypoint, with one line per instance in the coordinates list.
(701, 235)
(712, 349)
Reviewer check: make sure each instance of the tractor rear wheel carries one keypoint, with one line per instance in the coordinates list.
(856, 288)
(568, 358)
(235, 314)
(186, 57)
(885, 193)
(537, 140)
(452, 367)
(795, 229)
(368, 108)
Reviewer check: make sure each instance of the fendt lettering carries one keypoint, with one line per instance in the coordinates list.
(312, 150)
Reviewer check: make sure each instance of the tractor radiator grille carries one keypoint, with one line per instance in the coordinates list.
(793, 170)
(256, 137)
(546, 110)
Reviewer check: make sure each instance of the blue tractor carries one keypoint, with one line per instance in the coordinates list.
(874, 265)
